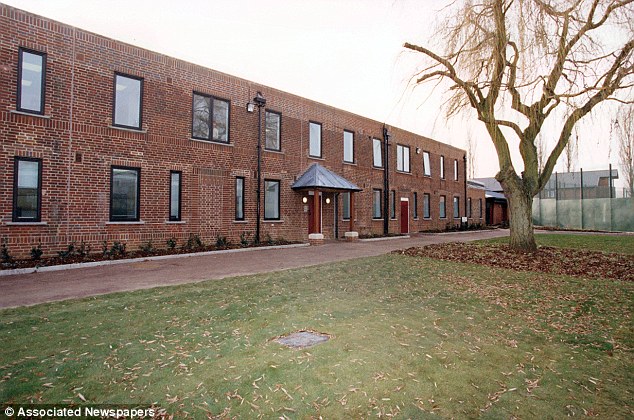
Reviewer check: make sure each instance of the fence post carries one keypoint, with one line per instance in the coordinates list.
(556, 200)
(611, 197)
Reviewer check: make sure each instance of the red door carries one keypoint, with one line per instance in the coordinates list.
(404, 216)
(311, 219)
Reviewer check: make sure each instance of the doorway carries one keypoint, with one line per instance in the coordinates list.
(404, 215)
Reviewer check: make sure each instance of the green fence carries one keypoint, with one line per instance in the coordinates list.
(610, 214)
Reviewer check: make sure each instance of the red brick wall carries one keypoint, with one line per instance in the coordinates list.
(78, 110)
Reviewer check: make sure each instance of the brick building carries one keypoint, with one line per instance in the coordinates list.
(105, 141)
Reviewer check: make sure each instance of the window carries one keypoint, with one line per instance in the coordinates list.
(239, 198)
(456, 207)
(175, 196)
(415, 205)
(210, 118)
(392, 204)
(345, 201)
(426, 206)
(426, 164)
(376, 153)
(376, 204)
(273, 130)
(480, 206)
(469, 206)
(124, 194)
(455, 170)
(27, 190)
(442, 167)
(402, 158)
(443, 207)
(315, 140)
(348, 146)
(271, 200)
(31, 81)
(127, 101)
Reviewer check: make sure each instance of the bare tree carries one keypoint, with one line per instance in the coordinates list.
(623, 126)
(516, 61)
(571, 152)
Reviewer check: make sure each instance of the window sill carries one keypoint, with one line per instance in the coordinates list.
(138, 222)
(315, 157)
(427, 218)
(377, 219)
(31, 114)
(219, 143)
(273, 221)
(175, 222)
(275, 152)
(129, 130)
(426, 176)
(240, 222)
(403, 172)
(350, 163)
(26, 223)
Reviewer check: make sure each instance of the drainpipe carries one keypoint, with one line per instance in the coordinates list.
(259, 102)
(386, 182)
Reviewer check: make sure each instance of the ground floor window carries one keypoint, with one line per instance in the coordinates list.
(426, 206)
(392, 204)
(442, 204)
(415, 205)
(271, 200)
(175, 196)
(480, 207)
(345, 203)
(469, 206)
(239, 214)
(376, 204)
(27, 190)
(456, 207)
(124, 194)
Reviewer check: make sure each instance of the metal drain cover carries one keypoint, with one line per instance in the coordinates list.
(302, 339)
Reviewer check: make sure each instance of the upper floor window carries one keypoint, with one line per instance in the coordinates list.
(128, 94)
(27, 190)
(273, 131)
(315, 140)
(442, 167)
(31, 81)
(175, 196)
(455, 169)
(402, 158)
(124, 194)
(348, 146)
(426, 164)
(210, 118)
(377, 156)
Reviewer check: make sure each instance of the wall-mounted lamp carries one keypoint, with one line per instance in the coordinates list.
(304, 200)
(418, 150)
(327, 200)
(250, 107)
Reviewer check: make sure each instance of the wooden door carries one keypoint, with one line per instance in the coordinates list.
(404, 216)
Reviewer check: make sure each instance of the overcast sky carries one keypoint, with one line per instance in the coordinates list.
(344, 53)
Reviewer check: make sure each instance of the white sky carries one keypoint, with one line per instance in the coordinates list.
(344, 53)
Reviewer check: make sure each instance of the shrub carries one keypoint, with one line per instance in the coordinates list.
(36, 252)
(4, 252)
(171, 243)
(268, 240)
(147, 247)
(244, 239)
(69, 252)
(221, 242)
(117, 249)
(193, 242)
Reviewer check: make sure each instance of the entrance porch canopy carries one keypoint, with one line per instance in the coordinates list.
(318, 178)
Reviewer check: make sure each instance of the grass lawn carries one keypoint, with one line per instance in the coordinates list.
(622, 244)
(412, 336)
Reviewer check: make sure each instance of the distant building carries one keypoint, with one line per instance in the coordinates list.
(496, 203)
(567, 185)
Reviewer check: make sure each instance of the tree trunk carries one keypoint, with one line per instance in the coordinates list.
(521, 221)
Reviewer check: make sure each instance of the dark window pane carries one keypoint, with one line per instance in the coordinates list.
(456, 207)
(31, 83)
(127, 110)
(175, 196)
(345, 197)
(124, 194)
(221, 121)
(376, 204)
(239, 198)
(201, 114)
(272, 141)
(426, 206)
(443, 207)
(28, 190)
(415, 205)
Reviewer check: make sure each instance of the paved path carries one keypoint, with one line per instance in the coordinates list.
(31, 289)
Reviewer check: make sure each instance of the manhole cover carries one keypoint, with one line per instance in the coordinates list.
(302, 339)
